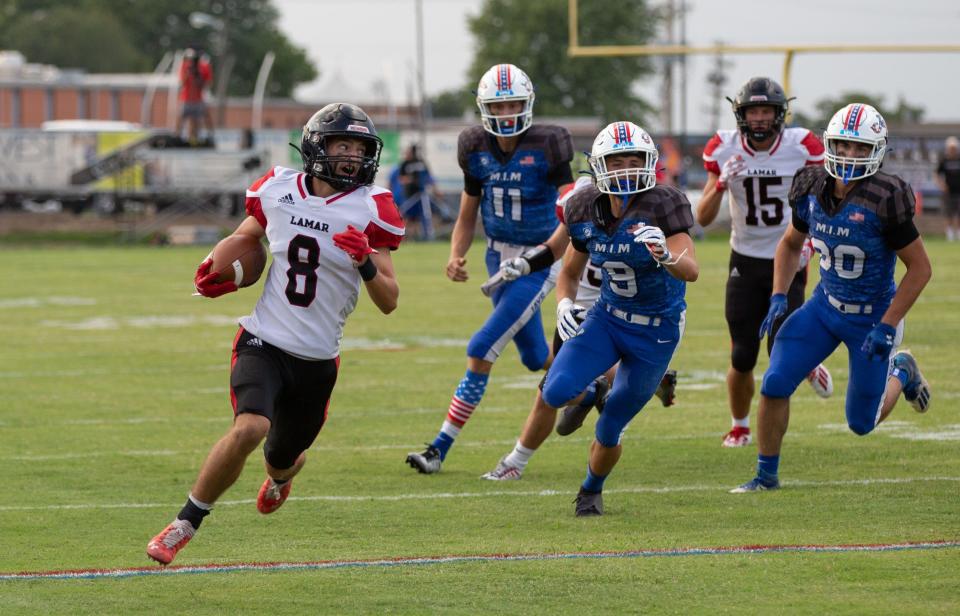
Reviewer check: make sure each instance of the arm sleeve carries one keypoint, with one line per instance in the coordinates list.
(899, 228)
(559, 156)
(899, 236)
(579, 245)
(799, 223)
(560, 176)
(471, 185)
(386, 227)
(252, 204)
(677, 214)
(814, 149)
(710, 162)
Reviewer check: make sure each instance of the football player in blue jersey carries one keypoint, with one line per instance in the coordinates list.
(512, 171)
(637, 234)
(861, 221)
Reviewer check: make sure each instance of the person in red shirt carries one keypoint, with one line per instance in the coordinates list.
(196, 75)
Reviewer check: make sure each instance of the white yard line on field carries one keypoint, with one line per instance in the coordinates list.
(490, 494)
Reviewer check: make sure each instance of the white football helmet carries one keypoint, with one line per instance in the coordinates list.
(624, 138)
(860, 123)
(502, 83)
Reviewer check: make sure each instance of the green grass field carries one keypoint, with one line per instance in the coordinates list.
(113, 386)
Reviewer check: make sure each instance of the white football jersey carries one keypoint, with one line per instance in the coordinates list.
(312, 285)
(759, 207)
(588, 291)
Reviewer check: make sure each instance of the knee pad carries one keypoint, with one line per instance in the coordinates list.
(743, 357)
(534, 359)
(479, 346)
(558, 389)
(860, 428)
(280, 455)
(609, 430)
(283, 446)
(776, 385)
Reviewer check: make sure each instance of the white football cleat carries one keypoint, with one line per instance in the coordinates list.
(821, 381)
(503, 472)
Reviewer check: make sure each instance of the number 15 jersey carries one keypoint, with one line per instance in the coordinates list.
(759, 204)
(312, 284)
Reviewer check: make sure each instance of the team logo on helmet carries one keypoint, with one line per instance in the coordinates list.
(622, 138)
(845, 126)
(505, 83)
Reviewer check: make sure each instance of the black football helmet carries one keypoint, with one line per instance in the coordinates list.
(760, 91)
(340, 120)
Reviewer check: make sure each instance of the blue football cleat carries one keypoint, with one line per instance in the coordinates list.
(757, 485)
(917, 390)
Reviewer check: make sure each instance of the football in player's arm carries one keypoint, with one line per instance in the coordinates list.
(512, 171)
(286, 354)
(861, 221)
(754, 165)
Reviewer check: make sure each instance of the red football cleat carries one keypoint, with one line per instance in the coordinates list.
(737, 437)
(271, 496)
(164, 547)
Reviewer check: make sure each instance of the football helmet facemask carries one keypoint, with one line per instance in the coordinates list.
(859, 123)
(503, 83)
(624, 138)
(346, 121)
(760, 91)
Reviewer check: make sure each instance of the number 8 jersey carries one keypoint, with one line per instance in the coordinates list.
(312, 285)
(759, 205)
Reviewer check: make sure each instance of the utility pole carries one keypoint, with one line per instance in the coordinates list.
(666, 112)
(421, 88)
(717, 78)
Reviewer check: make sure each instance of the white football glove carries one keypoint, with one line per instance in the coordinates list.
(806, 253)
(731, 170)
(655, 241)
(569, 318)
(511, 269)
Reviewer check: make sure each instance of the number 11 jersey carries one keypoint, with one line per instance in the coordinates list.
(312, 285)
(759, 204)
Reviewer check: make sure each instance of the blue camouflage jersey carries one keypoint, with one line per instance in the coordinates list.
(518, 192)
(632, 280)
(857, 239)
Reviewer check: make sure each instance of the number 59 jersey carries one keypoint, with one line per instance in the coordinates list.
(632, 281)
(312, 284)
(758, 198)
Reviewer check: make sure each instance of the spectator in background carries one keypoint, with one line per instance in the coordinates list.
(416, 188)
(948, 178)
(196, 75)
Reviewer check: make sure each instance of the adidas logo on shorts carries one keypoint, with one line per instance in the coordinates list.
(287, 199)
(255, 342)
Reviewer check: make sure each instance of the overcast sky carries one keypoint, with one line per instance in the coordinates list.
(371, 40)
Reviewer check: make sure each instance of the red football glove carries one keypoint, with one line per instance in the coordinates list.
(354, 243)
(207, 284)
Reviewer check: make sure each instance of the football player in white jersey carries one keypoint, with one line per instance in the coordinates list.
(755, 164)
(329, 230)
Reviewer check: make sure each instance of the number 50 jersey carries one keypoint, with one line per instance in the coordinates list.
(759, 205)
(312, 284)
